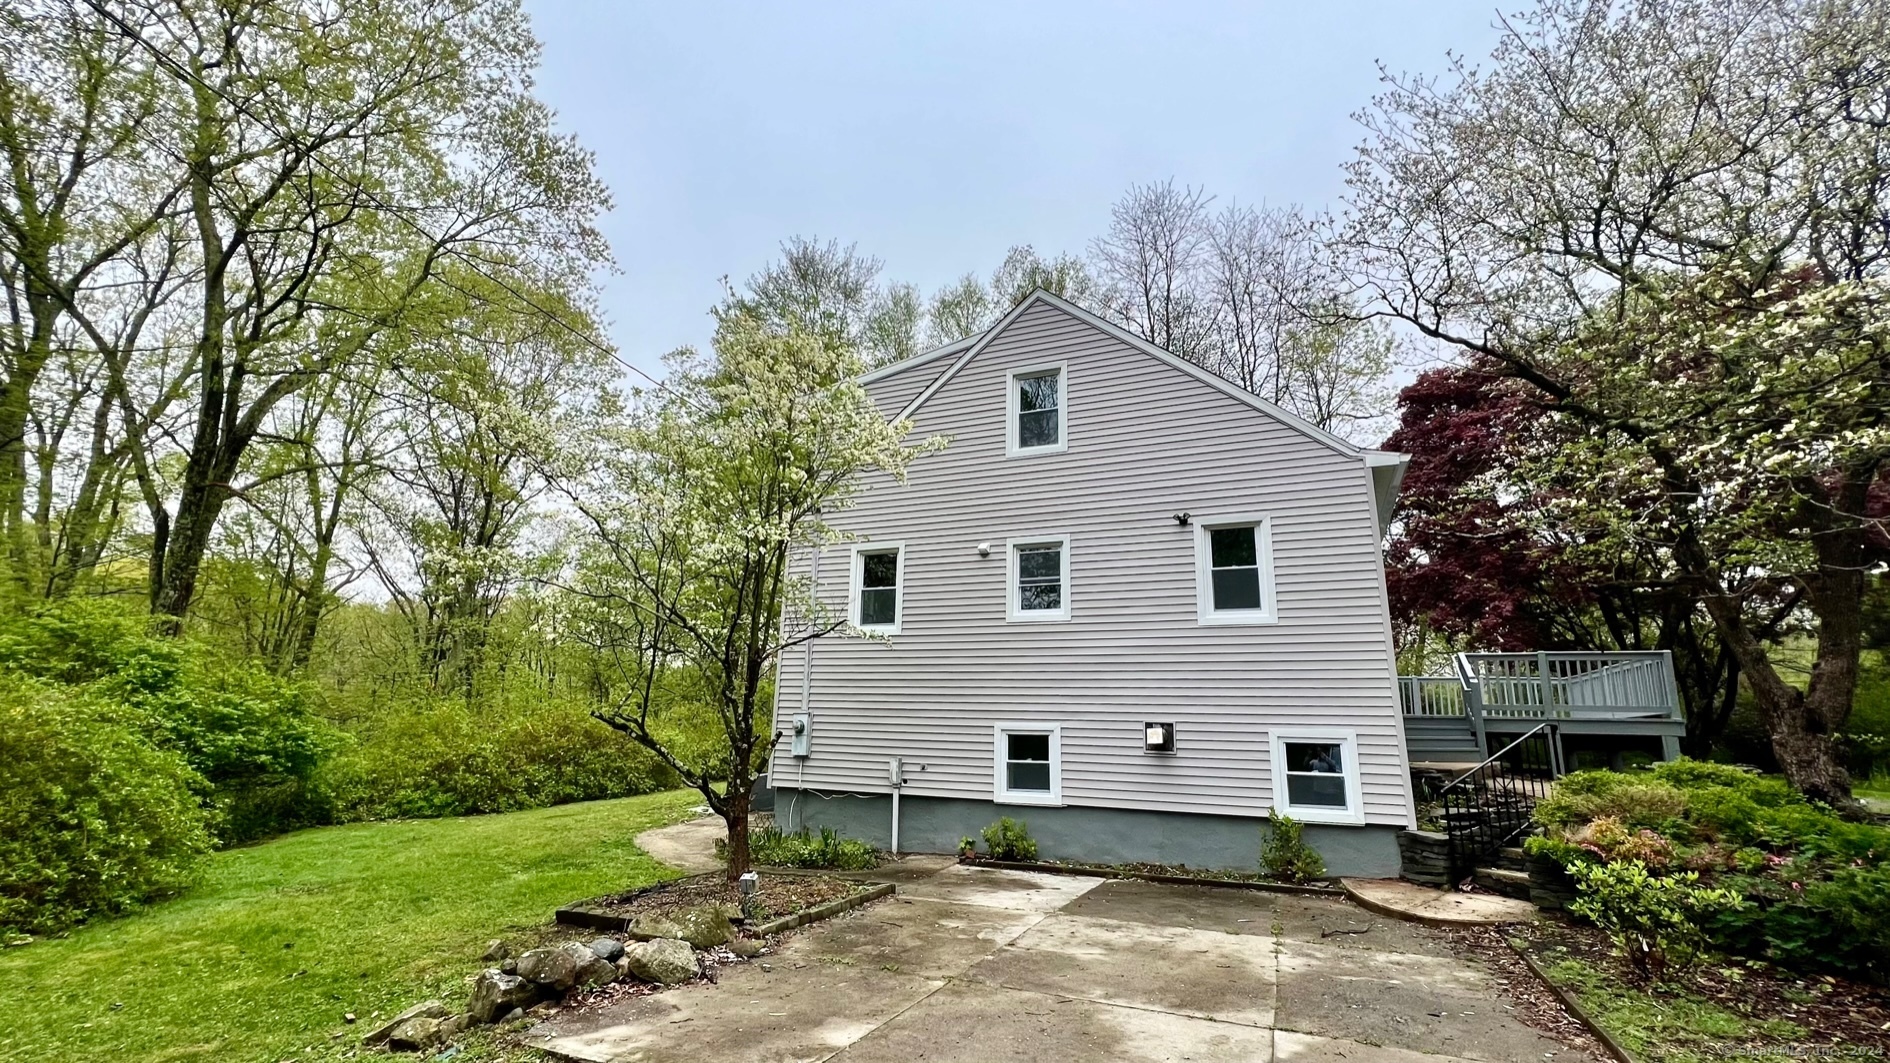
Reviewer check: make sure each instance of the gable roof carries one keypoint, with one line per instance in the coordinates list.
(973, 345)
(922, 358)
(1386, 468)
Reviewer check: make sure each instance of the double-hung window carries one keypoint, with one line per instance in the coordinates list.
(878, 586)
(1234, 571)
(1315, 776)
(1038, 411)
(1039, 573)
(1029, 764)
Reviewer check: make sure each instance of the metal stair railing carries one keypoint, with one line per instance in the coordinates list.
(1490, 804)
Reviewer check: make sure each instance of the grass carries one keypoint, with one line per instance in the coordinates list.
(1667, 1027)
(260, 961)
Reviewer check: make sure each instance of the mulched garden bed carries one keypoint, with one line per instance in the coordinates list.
(1178, 874)
(780, 895)
(1715, 1010)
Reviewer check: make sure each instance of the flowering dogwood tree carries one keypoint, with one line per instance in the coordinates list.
(1665, 220)
(693, 508)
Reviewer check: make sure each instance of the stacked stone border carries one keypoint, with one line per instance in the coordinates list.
(590, 915)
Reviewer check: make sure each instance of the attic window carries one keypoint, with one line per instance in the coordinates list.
(1038, 411)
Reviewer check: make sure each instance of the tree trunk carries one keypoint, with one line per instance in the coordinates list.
(735, 814)
(198, 507)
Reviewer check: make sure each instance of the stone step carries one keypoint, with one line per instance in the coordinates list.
(1504, 881)
(1509, 858)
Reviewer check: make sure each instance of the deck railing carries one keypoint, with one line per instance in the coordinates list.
(1549, 685)
(1431, 695)
(1554, 685)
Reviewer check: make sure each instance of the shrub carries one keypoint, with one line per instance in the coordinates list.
(1653, 920)
(94, 817)
(1816, 882)
(1284, 854)
(1609, 839)
(249, 734)
(1637, 801)
(1841, 923)
(441, 758)
(1559, 850)
(827, 850)
(1010, 839)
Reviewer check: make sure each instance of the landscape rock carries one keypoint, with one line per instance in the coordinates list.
(430, 1009)
(509, 966)
(454, 1025)
(494, 993)
(653, 928)
(554, 968)
(665, 961)
(596, 971)
(610, 950)
(513, 1016)
(705, 927)
(496, 950)
(745, 948)
(417, 1033)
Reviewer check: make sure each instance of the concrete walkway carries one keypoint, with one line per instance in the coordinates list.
(689, 845)
(1442, 908)
(984, 966)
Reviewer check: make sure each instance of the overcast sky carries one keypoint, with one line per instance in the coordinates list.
(938, 135)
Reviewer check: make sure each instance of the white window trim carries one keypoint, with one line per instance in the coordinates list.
(1268, 613)
(1354, 811)
(860, 550)
(1011, 611)
(1001, 793)
(1011, 411)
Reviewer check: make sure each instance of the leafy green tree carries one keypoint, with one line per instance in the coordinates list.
(836, 291)
(78, 206)
(329, 158)
(970, 305)
(1665, 219)
(693, 510)
(447, 528)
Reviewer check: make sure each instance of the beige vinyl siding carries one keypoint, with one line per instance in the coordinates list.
(1145, 441)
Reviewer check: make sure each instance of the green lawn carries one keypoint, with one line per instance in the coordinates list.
(262, 959)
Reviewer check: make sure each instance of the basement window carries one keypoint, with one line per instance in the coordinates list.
(1316, 777)
(1029, 764)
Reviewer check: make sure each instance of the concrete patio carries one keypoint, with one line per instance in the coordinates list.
(978, 965)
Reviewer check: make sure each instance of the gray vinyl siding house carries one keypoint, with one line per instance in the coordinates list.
(1123, 605)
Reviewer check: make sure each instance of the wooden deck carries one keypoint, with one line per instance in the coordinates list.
(1450, 719)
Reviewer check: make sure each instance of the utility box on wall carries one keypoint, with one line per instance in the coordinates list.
(802, 735)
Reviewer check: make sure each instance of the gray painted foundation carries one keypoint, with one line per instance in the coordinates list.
(1093, 835)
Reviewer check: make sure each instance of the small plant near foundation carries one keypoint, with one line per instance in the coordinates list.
(1284, 854)
(827, 851)
(1654, 921)
(1009, 839)
(967, 847)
